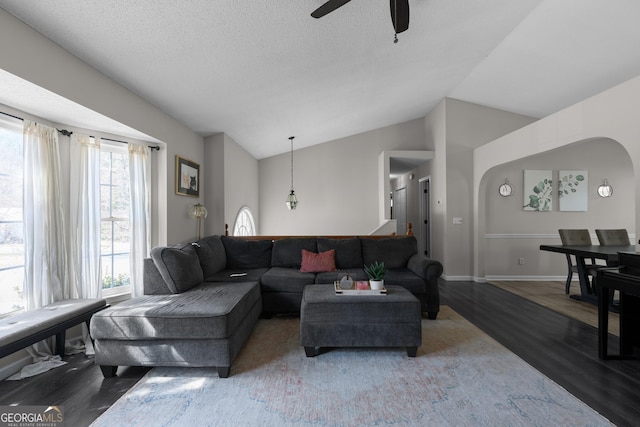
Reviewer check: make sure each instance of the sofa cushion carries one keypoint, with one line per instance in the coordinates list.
(287, 253)
(289, 280)
(348, 251)
(212, 255)
(318, 262)
(394, 251)
(209, 311)
(247, 254)
(178, 265)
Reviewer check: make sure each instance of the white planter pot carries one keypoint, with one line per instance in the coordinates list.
(376, 285)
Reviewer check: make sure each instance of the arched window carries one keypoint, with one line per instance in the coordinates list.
(244, 225)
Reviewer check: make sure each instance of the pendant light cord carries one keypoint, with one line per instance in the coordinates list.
(291, 139)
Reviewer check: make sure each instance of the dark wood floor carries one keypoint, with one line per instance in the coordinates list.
(562, 348)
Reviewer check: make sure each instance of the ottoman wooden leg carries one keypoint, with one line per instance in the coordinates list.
(310, 351)
(108, 371)
(223, 371)
(412, 351)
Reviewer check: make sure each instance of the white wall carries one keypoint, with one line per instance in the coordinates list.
(30, 56)
(336, 183)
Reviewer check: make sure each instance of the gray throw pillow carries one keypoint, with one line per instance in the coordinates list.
(179, 266)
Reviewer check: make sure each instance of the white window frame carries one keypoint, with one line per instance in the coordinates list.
(14, 125)
(106, 146)
(244, 224)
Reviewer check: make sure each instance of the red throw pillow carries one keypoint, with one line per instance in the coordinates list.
(318, 263)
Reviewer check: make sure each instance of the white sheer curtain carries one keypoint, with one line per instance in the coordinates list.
(84, 234)
(84, 203)
(45, 268)
(140, 213)
(44, 234)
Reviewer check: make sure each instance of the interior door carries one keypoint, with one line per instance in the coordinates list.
(400, 209)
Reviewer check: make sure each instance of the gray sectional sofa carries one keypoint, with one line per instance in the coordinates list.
(203, 299)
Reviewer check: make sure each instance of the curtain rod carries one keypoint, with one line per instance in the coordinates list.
(69, 133)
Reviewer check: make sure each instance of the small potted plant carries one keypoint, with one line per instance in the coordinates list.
(375, 272)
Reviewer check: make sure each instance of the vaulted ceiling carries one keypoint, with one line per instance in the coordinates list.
(261, 70)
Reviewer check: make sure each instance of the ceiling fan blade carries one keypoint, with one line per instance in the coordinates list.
(328, 7)
(400, 15)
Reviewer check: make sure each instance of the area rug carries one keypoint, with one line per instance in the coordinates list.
(460, 377)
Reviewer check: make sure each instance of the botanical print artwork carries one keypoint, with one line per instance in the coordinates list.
(573, 190)
(538, 189)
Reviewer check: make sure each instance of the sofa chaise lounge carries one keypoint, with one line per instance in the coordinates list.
(203, 299)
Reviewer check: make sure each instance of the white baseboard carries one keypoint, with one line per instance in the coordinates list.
(6, 370)
(499, 278)
(527, 278)
(457, 278)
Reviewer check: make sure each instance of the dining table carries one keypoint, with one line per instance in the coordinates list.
(608, 253)
(626, 280)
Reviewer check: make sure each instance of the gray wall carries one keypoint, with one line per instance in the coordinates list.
(336, 183)
(31, 56)
(512, 233)
(456, 128)
(232, 183)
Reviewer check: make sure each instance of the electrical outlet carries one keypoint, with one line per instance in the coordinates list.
(520, 261)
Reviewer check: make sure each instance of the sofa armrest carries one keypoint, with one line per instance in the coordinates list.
(153, 282)
(429, 269)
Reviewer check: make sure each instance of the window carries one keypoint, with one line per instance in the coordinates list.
(114, 207)
(244, 225)
(11, 230)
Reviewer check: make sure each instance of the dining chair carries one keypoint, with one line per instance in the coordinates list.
(576, 237)
(617, 236)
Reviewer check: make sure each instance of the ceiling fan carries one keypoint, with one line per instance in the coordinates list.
(399, 13)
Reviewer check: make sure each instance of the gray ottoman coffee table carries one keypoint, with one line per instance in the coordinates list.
(330, 320)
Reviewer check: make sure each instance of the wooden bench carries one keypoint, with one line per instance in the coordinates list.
(24, 329)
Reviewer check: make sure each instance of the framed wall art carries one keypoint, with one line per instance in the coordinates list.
(187, 177)
(573, 194)
(538, 190)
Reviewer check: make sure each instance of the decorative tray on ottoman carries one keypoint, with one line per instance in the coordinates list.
(358, 290)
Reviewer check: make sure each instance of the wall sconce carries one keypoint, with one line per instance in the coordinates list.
(198, 212)
(605, 190)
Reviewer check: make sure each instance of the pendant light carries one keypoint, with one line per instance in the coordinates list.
(292, 200)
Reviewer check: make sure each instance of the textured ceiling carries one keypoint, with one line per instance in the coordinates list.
(261, 70)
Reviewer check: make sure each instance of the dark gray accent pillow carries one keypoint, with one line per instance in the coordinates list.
(247, 254)
(287, 253)
(179, 266)
(394, 251)
(212, 255)
(348, 251)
